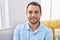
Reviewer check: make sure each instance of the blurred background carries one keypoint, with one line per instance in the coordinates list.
(13, 12)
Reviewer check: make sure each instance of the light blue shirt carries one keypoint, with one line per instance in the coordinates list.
(23, 32)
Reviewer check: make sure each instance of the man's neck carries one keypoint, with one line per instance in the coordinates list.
(34, 26)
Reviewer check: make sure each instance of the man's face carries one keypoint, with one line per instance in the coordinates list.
(33, 14)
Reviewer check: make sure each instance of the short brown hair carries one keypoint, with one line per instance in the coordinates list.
(34, 3)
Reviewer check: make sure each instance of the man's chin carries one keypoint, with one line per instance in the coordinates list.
(33, 22)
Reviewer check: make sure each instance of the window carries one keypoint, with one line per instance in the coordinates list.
(0, 13)
(55, 9)
(45, 4)
(50, 9)
(0, 17)
(4, 13)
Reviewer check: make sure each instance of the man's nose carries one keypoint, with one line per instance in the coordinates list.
(33, 14)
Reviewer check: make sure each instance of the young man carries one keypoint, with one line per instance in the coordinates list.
(34, 29)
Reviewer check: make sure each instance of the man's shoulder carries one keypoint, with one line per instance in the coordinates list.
(21, 26)
(46, 29)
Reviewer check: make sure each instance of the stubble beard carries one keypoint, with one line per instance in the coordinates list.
(34, 22)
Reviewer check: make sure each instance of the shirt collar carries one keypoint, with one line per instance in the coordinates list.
(27, 26)
(40, 28)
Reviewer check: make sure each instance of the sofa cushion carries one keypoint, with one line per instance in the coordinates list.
(6, 33)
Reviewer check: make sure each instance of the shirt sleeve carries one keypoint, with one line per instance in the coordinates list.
(16, 35)
(49, 35)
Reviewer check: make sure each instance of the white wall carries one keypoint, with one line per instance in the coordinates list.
(16, 12)
(55, 9)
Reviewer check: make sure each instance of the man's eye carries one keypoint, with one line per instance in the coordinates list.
(30, 12)
(36, 11)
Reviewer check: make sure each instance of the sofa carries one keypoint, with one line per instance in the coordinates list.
(7, 33)
(52, 24)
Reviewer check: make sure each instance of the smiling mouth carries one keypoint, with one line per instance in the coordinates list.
(33, 19)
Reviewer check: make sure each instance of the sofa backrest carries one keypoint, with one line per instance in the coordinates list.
(52, 24)
(7, 33)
